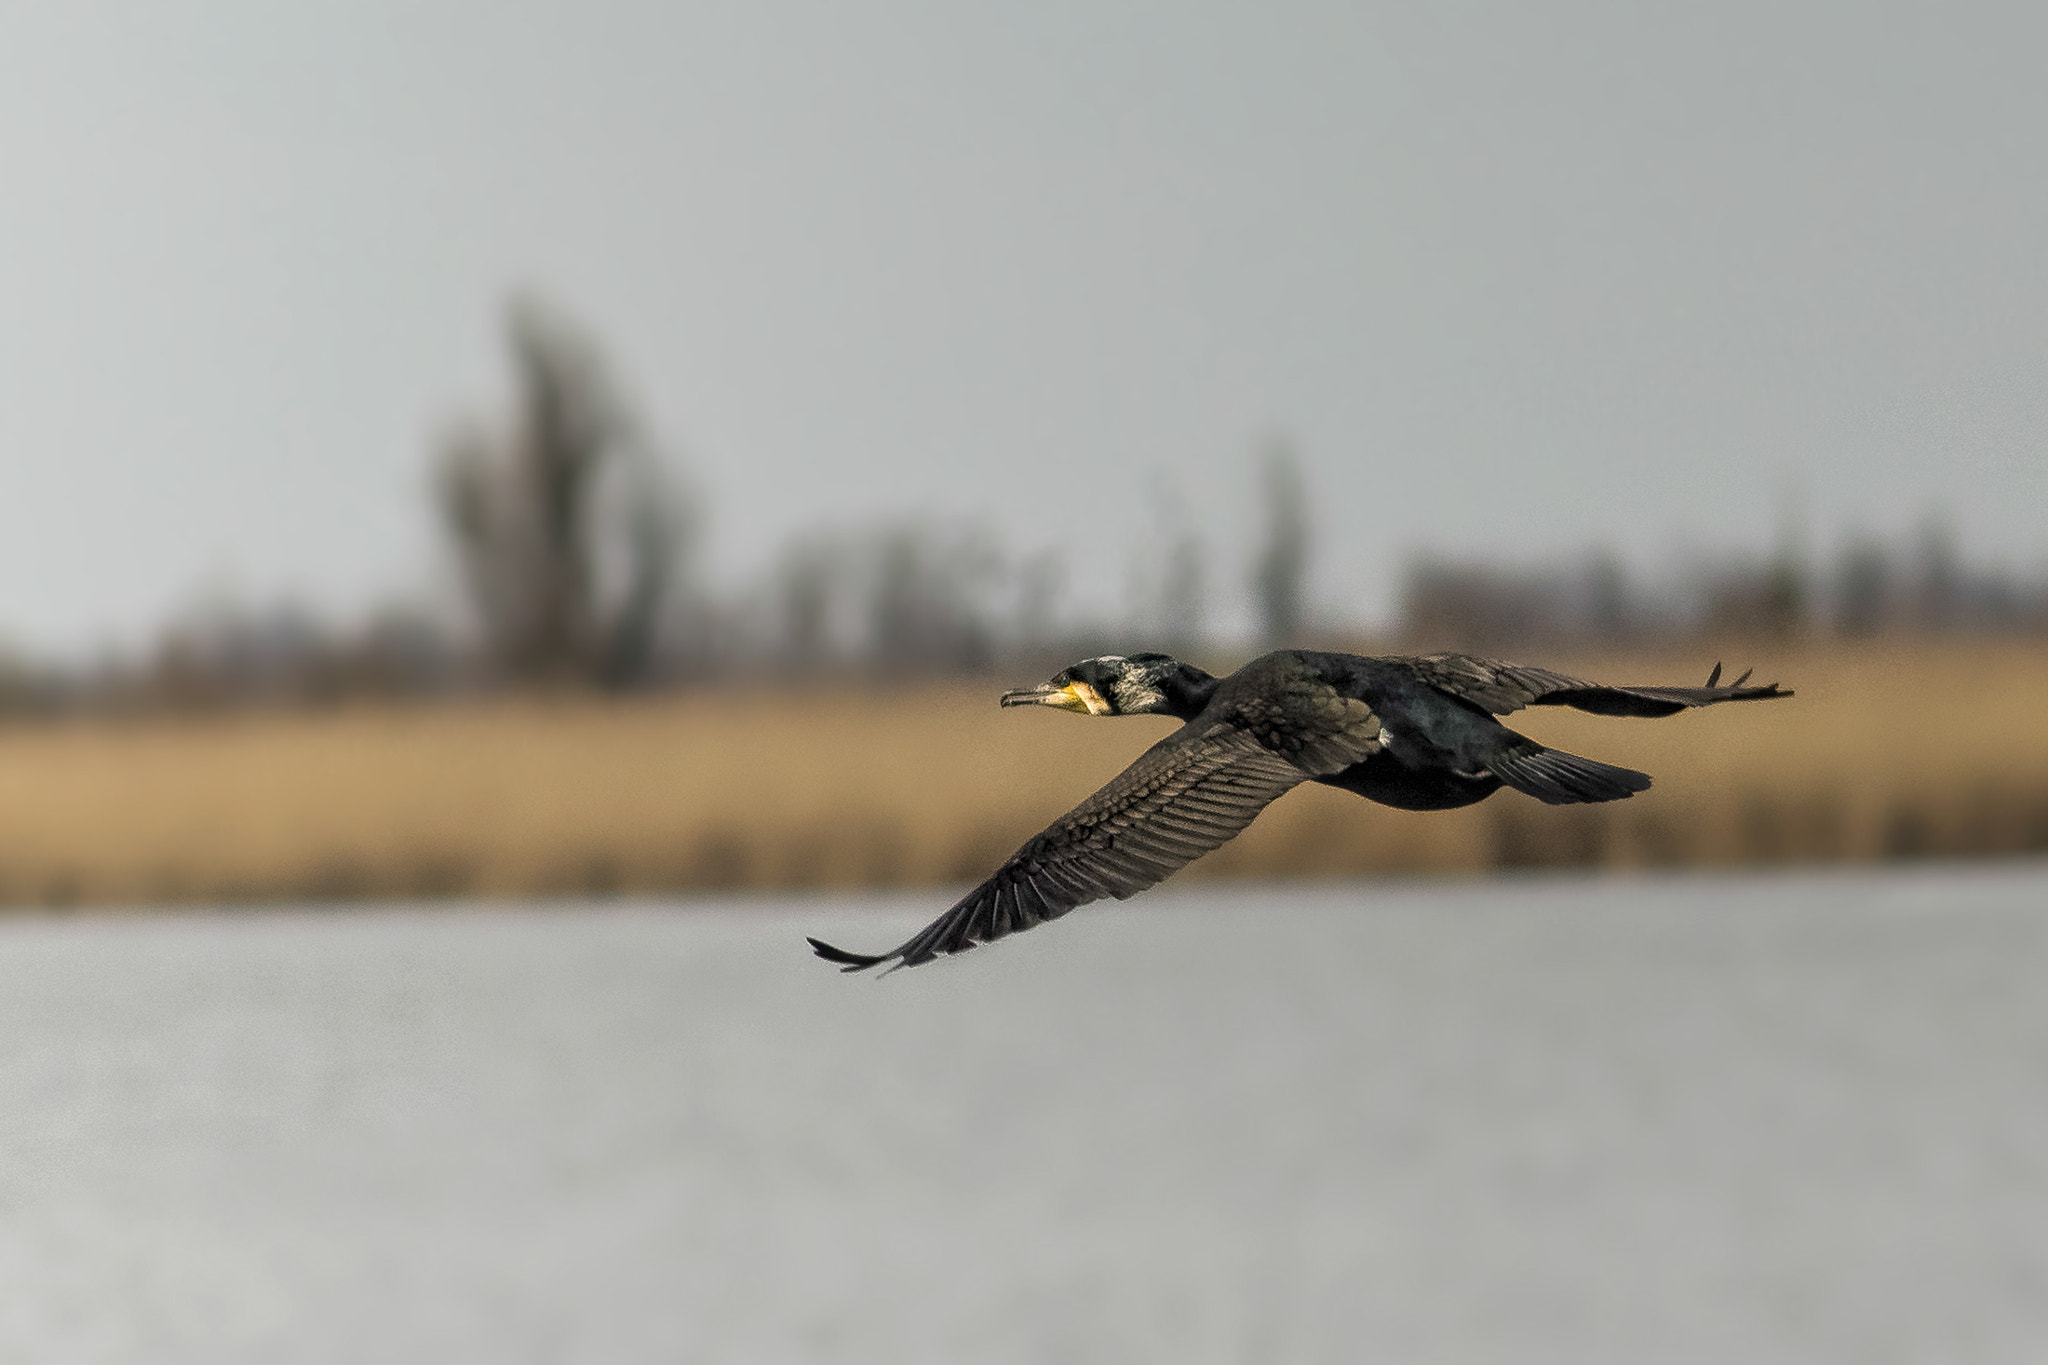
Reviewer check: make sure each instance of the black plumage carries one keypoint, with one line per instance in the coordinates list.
(1417, 733)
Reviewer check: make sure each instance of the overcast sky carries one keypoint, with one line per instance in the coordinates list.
(1515, 279)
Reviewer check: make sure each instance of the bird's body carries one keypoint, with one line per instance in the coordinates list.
(1418, 733)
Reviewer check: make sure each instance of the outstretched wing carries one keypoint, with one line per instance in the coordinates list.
(1179, 800)
(1503, 687)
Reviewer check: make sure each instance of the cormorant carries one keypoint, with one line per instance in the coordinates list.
(1417, 733)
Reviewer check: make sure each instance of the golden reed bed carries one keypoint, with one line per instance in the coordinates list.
(1887, 752)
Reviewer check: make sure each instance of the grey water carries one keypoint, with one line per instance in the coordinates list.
(1794, 1118)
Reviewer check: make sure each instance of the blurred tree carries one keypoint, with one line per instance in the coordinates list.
(1755, 600)
(1475, 604)
(1939, 595)
(803, 585)
(1279, 578)
(1863, 587)
(570, 534)
(1784, 606)
(1168, 574)
(1040, 581)
(928, 599)
(1781, 601)
(27, 688)
(1608, 606)
(1470, 604)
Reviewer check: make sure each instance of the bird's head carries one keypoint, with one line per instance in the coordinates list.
(1114, 685)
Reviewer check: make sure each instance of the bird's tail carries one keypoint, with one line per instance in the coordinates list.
(1562, 779)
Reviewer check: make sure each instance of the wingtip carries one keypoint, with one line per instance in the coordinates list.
(1746, 690)
(1742, 689)
(847, 962)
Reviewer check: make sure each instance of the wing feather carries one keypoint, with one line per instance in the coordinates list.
(1504, 687)
(1182, 798)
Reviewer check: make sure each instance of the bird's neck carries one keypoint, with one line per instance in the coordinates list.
(1187, 690)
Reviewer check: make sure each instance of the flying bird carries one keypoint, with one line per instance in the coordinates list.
(1416, 733)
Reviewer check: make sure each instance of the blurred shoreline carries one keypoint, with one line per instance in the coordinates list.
(1890, 751)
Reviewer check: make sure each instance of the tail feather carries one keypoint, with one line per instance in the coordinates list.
(1563, 779)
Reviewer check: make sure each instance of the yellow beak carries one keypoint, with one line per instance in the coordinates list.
(1074, 696)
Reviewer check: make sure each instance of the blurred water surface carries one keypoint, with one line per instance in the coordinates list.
(1799, 1118)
